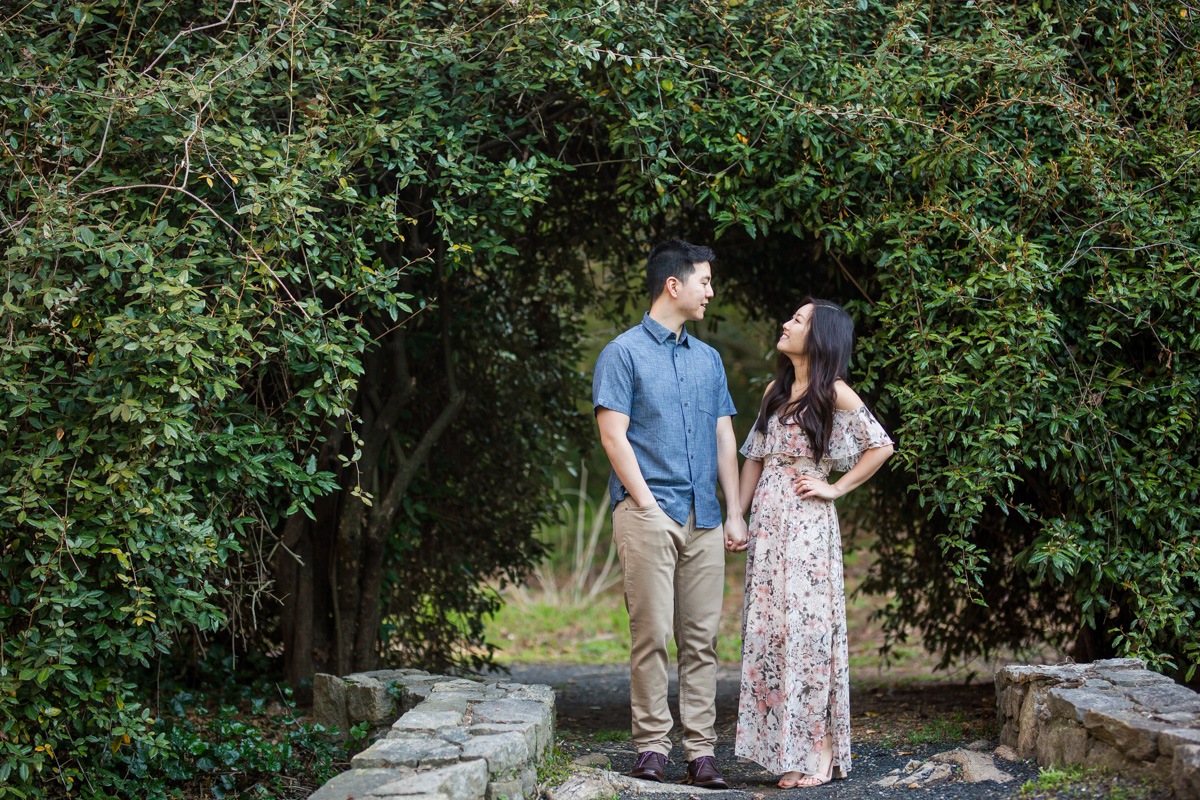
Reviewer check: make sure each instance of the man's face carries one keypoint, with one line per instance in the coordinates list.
(694, 293)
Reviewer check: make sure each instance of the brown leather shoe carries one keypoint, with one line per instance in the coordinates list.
(705, 773)
(651, 766)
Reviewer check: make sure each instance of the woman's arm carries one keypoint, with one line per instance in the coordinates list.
(867, 465)
(751, 472)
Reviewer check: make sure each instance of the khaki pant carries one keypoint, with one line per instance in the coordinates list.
(674, 578)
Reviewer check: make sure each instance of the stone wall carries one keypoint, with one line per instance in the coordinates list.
(1114, 714)
(436, 737)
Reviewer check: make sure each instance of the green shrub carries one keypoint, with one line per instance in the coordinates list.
(160, 382)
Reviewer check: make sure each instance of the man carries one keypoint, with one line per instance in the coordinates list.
(664, 411)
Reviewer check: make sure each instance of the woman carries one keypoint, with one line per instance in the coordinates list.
(794, 711)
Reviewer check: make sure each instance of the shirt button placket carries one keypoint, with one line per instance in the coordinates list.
(681, 371)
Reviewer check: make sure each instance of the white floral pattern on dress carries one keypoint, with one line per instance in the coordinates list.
(795, 671)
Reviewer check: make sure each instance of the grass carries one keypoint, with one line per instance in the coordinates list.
(938, 731)
(598, 633)
(1075, 781)
(1054, 779)
(947, 729)
(555, 767)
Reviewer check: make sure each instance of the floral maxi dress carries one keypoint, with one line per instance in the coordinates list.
(795, 675)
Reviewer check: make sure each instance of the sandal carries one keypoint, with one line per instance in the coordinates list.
(789, 783)
(823, 775)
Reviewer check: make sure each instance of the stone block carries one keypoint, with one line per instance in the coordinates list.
(368, 699)
(1133, 734)
(466, 780)
(1105, 756)
(536, 743)
(418, 720)
(538, 693)
(356, 783)
(1034, 673)
(519, 712)
(523, 786)
(1119, 663)
(1062, 741)
(404, 673)
(529, 781)
(418, 678)
(505, 753)
(413, 753)
(1010, 701)
(329, 702)
(1160, 770)
(445, 701)
(1180, 719)
(1171, 738)
(413, 694)
(458, 685)
(1132, 677)
(1185, 772)
(512, 711)
(1165, 697)
(457, 736)
(504, 790)
(1074, 704)
(1033, 712)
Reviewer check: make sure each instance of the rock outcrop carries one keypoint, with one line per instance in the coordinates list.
(1114, 714)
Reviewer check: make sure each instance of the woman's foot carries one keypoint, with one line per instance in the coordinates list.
(790, 780)
(824, 773)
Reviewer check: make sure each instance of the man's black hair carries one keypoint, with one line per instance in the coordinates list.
(673, 259)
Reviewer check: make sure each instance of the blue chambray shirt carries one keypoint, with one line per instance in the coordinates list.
(673, 393)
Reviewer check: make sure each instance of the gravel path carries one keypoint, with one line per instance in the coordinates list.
(593, 711)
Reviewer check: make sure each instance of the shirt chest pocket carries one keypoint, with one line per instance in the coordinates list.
(702, 394)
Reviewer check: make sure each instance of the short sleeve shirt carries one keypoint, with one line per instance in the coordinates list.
(673, 392)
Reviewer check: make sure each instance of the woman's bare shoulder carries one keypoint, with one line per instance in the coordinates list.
(847, 398)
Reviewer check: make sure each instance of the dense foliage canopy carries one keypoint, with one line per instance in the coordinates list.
(265, 258)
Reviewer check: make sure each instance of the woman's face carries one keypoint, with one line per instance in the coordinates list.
(795, 332)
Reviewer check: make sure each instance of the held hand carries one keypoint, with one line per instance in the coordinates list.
(737, 539)
(809, 488)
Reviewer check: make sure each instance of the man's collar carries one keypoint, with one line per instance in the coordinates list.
(661, 333)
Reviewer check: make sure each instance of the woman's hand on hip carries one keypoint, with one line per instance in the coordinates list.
(810, 488)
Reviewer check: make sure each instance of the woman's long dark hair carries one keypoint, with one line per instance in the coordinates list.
(828, 346)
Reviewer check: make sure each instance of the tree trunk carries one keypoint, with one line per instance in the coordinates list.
(330, 576)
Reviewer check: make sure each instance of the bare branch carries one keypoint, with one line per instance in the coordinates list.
(228, 16)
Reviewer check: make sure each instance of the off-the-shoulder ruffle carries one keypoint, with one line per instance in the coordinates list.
(854, 432)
